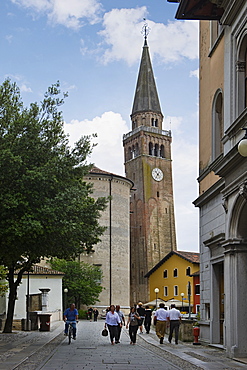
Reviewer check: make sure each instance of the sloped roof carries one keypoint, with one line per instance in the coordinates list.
(192, 257)
(146, 97)
(97, 171)
(40, 270)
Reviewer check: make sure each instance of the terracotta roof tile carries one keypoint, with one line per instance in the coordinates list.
(192, 257)
(40, 270)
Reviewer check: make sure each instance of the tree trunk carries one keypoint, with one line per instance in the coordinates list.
(12, 298)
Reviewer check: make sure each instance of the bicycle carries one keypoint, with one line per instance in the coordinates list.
(70, 330)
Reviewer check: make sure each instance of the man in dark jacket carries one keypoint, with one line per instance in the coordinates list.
(141, 312)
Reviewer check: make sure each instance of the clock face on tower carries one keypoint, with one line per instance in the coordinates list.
(157, 174)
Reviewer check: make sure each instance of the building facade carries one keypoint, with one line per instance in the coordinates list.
(112, 254)
(147, 153)
(223, 171)
(173, 277)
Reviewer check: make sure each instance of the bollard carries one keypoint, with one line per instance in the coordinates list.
(196, 333)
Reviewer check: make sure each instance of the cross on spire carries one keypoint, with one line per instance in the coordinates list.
(145, 31)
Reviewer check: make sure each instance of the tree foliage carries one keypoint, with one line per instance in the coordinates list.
(81, 279)
(3, 283)
(46, 207)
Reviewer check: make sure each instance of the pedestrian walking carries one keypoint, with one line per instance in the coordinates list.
(95, 314)
(141, 312)
(174, 318)
(160, 321)
(132, 324)
(148, 319)
(90, 313)
(122, 319)
(112, 320)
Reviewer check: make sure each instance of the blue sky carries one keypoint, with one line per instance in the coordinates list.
(93, 48)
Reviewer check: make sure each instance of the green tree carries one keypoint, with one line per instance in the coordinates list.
(46, 207)
(81, 279)
(3, 284)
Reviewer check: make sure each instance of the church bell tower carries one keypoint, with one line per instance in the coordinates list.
(147, 154)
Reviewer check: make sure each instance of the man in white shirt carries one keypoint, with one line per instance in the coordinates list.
(174, 317)
(160, 320)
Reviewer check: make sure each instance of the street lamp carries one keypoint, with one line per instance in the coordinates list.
(65, 298)
(182, 296)
(156, 291)
(242, 146)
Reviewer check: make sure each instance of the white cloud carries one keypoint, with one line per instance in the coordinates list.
(195, 73)
(9, 38)
(25, 88)
(122, 35)
(68, 13)
(109, 127)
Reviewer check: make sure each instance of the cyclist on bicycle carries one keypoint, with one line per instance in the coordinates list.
(70, 315)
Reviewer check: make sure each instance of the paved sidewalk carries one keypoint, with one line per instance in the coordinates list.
(205, 357)
(20, 345)
(50, 351)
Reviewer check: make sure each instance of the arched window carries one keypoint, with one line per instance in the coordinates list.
(136, 150)
(175, 290)
(156, 150)
(175, 273)
(152, 122)
(129, 153)
(188, 271)
(162, 151)
(165, 274)
(156, 122)
(241, 71)
(150, 149)
(217, 125)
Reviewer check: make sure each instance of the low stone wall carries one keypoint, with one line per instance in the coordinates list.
(186, 331)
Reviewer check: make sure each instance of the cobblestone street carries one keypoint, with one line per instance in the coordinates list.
(50, 351)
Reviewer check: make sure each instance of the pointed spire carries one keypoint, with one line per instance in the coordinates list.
(146, 96)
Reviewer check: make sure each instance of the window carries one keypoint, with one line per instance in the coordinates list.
(175, 290)
(217, 125)
(175, 273)
(165, 291)
(197, 289)
(207, 311)
(241, 76)
(150, 149)
(165, 274)
(188, 271)
(162, 151)
(156, 150)
(197, 308)
(215, 30)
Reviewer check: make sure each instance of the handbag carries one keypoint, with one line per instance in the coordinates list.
(104, 332)
(139, 322)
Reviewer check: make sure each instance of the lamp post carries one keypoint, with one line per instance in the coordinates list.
(65, 298)
(182, 296)
(156, 291)
(242, 146)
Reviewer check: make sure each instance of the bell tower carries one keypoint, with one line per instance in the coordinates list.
(147, 154)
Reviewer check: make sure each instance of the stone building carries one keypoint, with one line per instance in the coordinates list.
(147, 153)
(112, 254)
(223, 171)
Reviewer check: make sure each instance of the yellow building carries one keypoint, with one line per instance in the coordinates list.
(172, 275)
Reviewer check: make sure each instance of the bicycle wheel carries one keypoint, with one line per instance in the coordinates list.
(70, 333)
